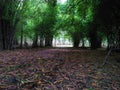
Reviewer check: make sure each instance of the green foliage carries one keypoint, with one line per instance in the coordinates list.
(75, 16)
(37, 17)
(46, 17)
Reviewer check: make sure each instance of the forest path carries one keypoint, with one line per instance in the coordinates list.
(58, 69)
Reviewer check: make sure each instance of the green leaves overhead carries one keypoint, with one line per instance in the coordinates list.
(75, 15)
(47, 17)
(40, 13)
(34, 13)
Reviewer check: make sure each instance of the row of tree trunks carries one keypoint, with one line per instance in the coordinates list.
(113, 38)
(119, 38)
(44, 41)
(7, 29)
(7, 34)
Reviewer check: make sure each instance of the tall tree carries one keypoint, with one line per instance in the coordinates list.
(108, 17)
(51, 14)
(9, 17)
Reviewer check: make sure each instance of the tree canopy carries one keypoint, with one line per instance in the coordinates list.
(40, 21)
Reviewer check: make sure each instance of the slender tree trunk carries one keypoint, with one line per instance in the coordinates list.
(83, 43)
(25, 42)
(11, 37)
(35, 41)
(111, 41)
(108, 43)
(41, 41)
(119, 39)
(1, 42)
(99, 42)
(21, 41)
(15, 43)
(3, 34)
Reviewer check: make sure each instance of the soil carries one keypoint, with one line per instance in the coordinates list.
(59, 69)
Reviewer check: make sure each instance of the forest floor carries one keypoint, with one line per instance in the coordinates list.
(58, 69)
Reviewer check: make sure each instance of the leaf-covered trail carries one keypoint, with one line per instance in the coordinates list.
(58, 69)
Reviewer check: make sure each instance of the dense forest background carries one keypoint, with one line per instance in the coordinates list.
(37, 23)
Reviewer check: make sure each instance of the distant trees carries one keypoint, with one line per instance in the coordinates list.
(37, 22)
(50, 22)
(76, 17)
(45, 28)
(42, 20)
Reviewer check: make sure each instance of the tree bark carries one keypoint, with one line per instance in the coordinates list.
(83, 43)
(7, 25)
(93, 40)
(41, 41)
(21, 39)
(35, 41)
(1, 43)
(7, 34)
(76, 39)
(48, 41)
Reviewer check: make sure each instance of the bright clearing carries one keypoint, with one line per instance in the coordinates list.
(62, 1)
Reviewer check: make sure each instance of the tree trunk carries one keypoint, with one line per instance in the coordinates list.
(99, 42)
(83, 43)
(35, 41)
(11, 37)
(3, 33)
(1, 43)
(93, 40)
(8, 33)
(7, 25)
(41, 41)
(48, 41)
(111, 41)
(25, 42)
(119, 39)
(76, 39)
(21, 40)
(76, 43)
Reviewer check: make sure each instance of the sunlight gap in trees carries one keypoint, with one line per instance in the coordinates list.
(62, 1)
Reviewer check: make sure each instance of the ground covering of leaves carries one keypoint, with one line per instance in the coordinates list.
(58, 69)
